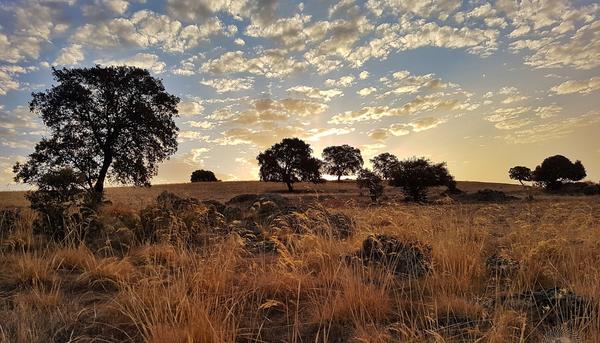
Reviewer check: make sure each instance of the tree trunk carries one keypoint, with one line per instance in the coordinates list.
(289, 186)
(99, 186)
(339, 178)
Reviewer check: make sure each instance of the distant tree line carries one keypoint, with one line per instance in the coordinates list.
(551, 174)
(291, 161)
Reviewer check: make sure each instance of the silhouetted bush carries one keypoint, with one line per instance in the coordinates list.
(371, 181)
(415, 175)
(289, 161)
(557, 169)
(8, 220)
(202, 175)
(59, 194)
(341, 160)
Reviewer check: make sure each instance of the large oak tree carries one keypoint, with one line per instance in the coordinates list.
(340, 160)
(103, 123)
(289, 161)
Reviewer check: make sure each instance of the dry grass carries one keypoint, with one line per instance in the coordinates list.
(311, 291)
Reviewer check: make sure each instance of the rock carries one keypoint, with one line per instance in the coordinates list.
(8, 220)
(232, 213)
(172, 201)
(252, 236)
(552, 306)
(242, 198)
(410, 258)
(219, 206)
(264, 209)
(490, 195)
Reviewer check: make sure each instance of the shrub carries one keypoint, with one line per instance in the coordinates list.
(415, 175)
(59, 193)
(371, 181)
(202, 175)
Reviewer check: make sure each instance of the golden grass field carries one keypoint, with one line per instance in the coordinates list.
(120, 288)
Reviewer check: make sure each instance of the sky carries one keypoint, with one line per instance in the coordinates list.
(483, 86)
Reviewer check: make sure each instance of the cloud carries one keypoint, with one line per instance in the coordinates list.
(145, 29)
(270, 63)
(70, 55)
(366, 91)
(343, 82)
(553, 130)
(229, 85)
(548, 111)
(140, 60)
(426, 123)
(190, 108)
(363, 75)
(578, 49)
(577, 86)
(16, 121)
(315, 93)
(7, 83)
(417, 105)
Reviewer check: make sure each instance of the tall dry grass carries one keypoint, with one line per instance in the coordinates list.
(310, 290)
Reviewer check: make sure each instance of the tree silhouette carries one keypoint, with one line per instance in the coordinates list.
(202, 175)
(520, 174)
(384, 165)
(371, 181)
(342, 160)
(289, 161)
(104, 122)
(557, 169)
(415, 175)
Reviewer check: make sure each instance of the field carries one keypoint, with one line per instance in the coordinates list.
(319, 265)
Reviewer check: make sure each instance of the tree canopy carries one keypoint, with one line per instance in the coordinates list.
(520, 174)
(103, 122)
(342, 160)
(384, 165)
(557, 169)
(289, 161)
(415, 175)
(202, 175)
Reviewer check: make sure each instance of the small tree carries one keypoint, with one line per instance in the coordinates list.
(113, 122)
(557, 169)
(415, 175)
(202, 175)
(371, 181)
(384, 165)
(342, 160)
(289, 161)
(58, 192)
(520, 174)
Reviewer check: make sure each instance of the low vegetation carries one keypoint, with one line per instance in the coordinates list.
(264, 267)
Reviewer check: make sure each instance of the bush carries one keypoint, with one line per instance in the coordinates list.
(371, 181)
(59, 194)
(202, 175)
(415, 175)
